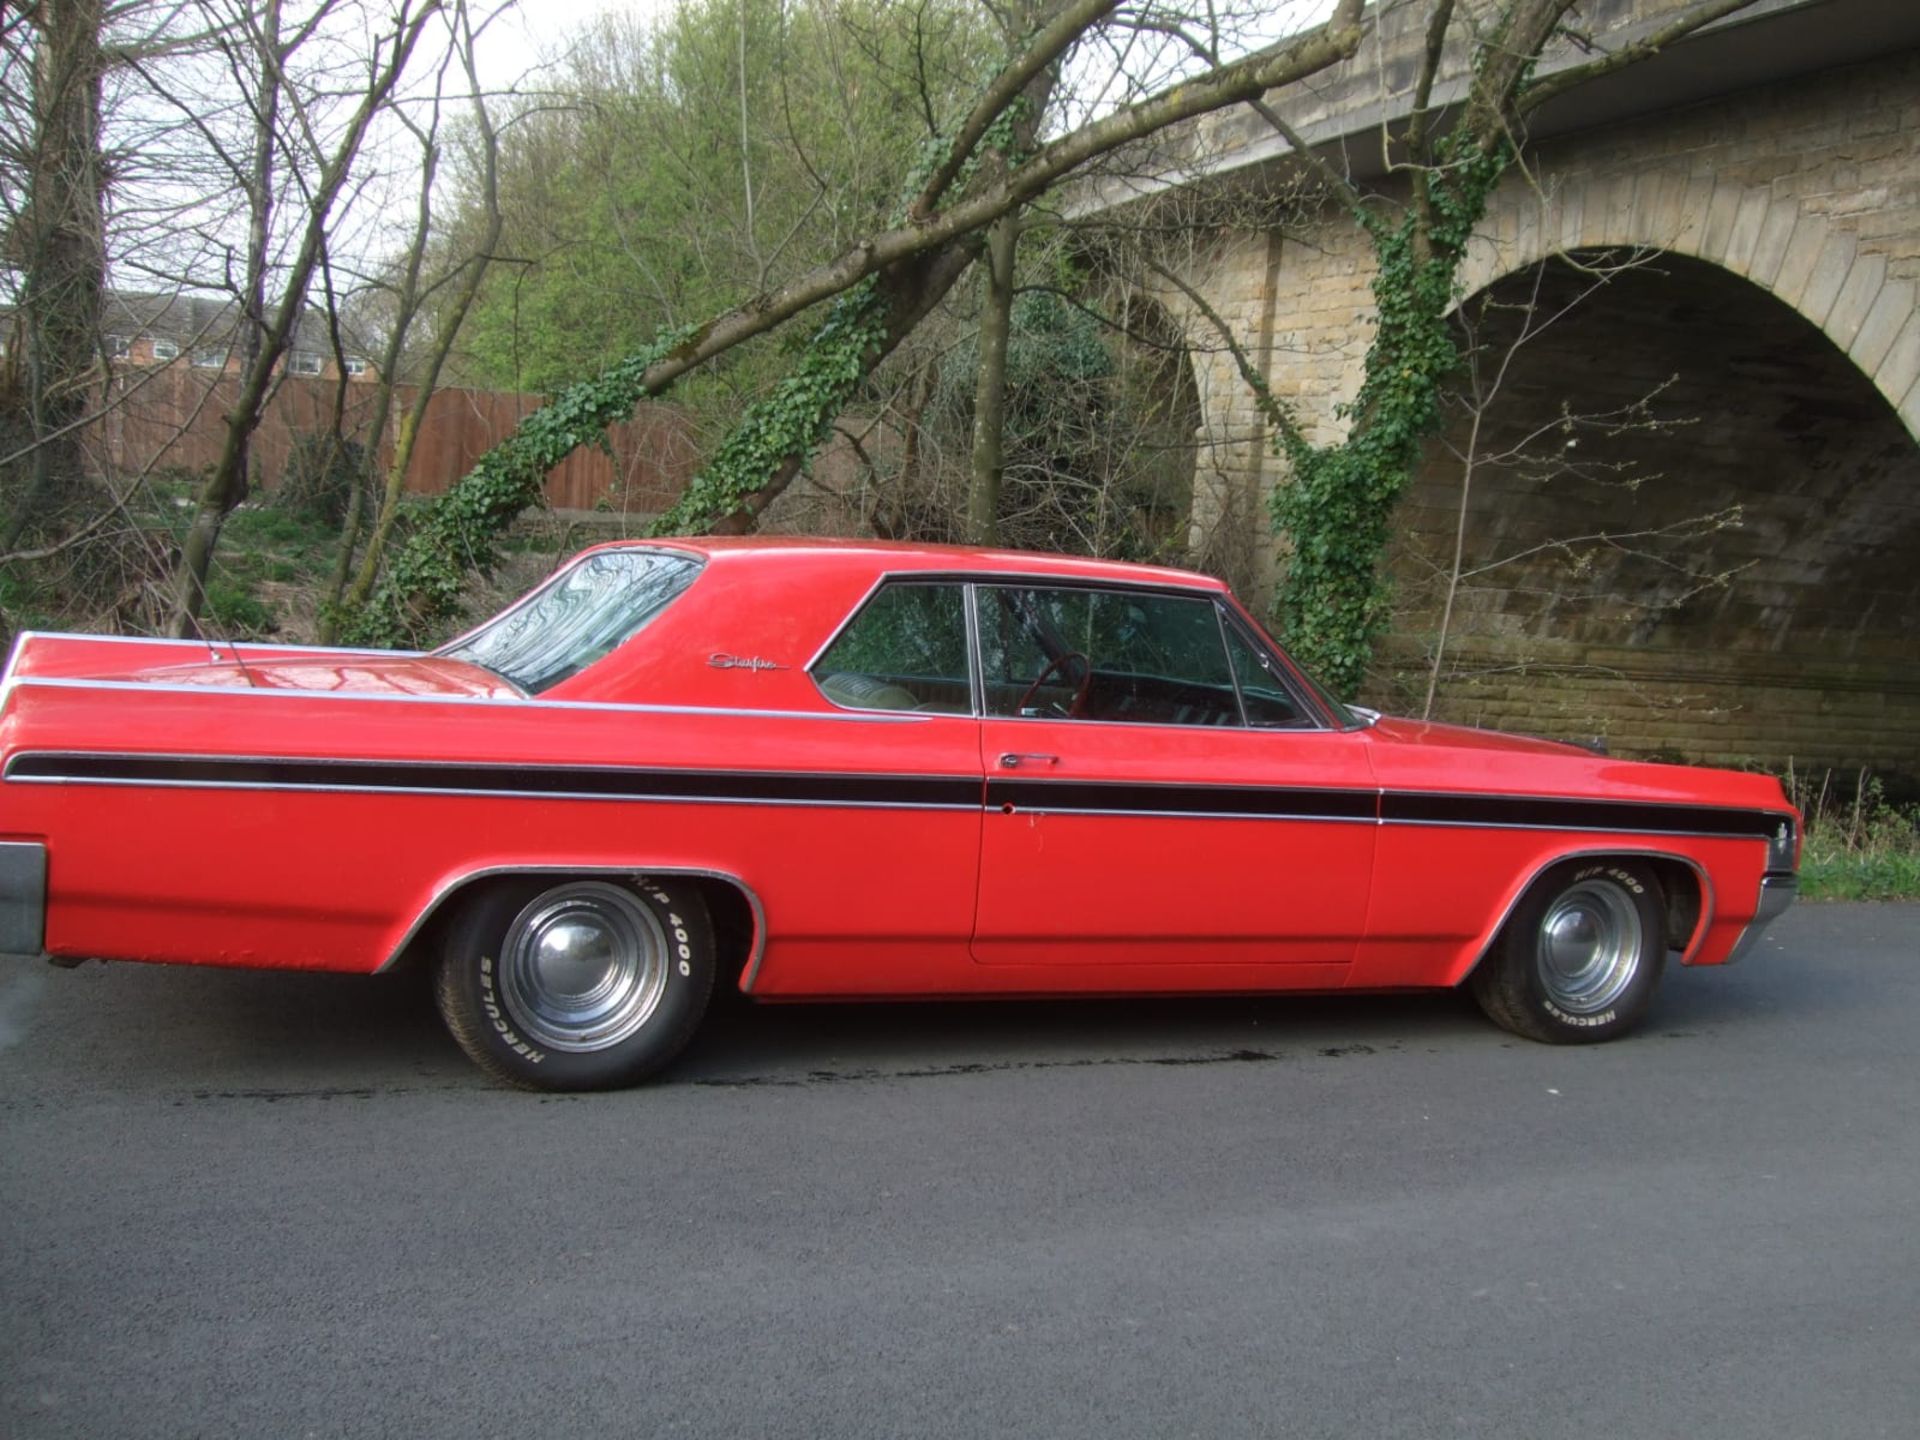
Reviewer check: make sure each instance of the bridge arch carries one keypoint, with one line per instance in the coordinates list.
(1730, 573)
(1805, 261)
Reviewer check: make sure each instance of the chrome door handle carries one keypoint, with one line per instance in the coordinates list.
(1014, 762)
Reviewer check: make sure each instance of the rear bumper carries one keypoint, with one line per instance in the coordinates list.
(23, 898)
(1777, 892)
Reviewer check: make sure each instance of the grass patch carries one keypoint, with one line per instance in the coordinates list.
(1859, 846)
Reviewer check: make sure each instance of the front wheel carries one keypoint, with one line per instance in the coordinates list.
(576, 984)
(1580, 956)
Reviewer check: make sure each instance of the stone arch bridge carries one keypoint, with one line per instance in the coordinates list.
(1691, 522)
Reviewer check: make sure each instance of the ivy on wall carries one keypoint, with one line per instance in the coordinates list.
(1335, 508)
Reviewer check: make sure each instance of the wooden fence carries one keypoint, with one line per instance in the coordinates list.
(172, 417)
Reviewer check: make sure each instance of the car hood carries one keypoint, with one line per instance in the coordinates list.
(1414, 755)
(1461, 737)
(343, 673)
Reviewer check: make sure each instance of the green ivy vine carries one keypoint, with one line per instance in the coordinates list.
(792, 421)
(1336, 506)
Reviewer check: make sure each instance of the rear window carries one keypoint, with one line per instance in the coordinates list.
(579, 616)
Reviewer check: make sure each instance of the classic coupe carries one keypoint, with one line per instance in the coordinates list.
(818, 770)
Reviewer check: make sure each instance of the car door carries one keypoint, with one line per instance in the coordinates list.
(1161, 798)
(876, 893)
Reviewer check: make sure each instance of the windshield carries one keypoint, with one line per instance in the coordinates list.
(577, 617)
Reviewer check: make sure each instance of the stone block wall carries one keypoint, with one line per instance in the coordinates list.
(1809, 192)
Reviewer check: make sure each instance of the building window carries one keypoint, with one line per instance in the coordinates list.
(119, 347)
(356, 366)
(165, 350)
(210, 357)
(304, 362)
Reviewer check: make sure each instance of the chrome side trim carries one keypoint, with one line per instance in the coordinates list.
(1604, 829)
(1233, 670)
(976, 672)
(1777, 894)
(13, 656)
(7, 682)
(450, 793)
(897, 717)
(1242, 729)
(755, 950)
(1066, 812)
(23, 898)
(1707, 897)
(198, 644)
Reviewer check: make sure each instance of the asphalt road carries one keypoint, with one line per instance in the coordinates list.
(276, 1206)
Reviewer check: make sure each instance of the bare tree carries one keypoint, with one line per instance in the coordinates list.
(55, 234)
(292, 153)
(453, 290)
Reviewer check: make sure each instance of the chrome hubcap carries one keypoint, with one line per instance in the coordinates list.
(584, 966)
(1589, 949)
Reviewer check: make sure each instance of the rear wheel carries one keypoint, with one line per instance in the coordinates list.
(1580, 956)
(576, 984)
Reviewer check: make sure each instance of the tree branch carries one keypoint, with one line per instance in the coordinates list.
(1246, 79)
(1044, 49)
(1269, 404)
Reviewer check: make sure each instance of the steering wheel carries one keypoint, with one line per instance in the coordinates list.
(1057, 664)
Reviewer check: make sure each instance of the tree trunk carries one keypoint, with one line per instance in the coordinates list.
(990, 391)
(60, 246)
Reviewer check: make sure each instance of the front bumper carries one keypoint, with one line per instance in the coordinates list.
(1777, 892)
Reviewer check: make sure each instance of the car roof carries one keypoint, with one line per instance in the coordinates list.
(881, 557)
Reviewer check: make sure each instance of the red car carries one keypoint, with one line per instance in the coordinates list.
(822, 770)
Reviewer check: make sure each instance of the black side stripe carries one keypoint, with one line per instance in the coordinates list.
(582, 782)
(1403, 807)
(1546, 813)
(905, 791)
(1262, 802)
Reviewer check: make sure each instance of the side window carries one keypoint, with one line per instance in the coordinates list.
(1135, 656)
(1262, 694)
(905, 650)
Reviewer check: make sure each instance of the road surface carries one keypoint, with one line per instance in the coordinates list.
(257, 1205)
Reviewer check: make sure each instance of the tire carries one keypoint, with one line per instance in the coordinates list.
(1579, 959)
(576, 983)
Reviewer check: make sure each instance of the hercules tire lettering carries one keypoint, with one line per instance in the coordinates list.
(481, 1018)
(1508, 983)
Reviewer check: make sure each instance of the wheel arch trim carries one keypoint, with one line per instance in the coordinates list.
(1483, 943)
(454, 884)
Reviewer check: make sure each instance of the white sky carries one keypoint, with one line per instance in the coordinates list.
(536, 30)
